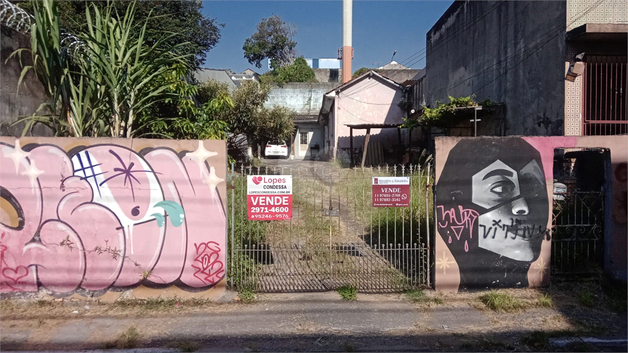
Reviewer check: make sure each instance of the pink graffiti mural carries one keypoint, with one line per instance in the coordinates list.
(460, 221)
(105, 216)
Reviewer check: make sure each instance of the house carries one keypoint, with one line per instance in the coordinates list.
(370, 99)
(305, 99)
(559, 68)
(556, 65)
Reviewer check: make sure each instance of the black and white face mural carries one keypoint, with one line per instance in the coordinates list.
(492, 210)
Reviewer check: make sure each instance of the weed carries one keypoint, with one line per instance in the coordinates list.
(536, 339)
(184, 346)
(544, 301)
(347, 347)
(502, 301)
(580, 346)
(467, 346)
(44, 303)
(146, 274)
(491, 344)
(416, 296)
(347, 292)
(159, 303)
(246, 295)
(586, 298)
(128, 338)
(617, 294)
(539, 340)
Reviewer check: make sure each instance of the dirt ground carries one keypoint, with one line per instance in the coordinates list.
(414, 321)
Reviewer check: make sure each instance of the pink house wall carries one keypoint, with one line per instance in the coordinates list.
(370, 101)
(92, 215)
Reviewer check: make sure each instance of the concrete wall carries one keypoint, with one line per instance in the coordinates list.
(507, 51)
(92, 216)
(485, 185)
(31, 93)
(328, 75)
(302, 97)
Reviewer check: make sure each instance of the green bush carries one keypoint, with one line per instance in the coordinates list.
(502, 301)
(347, 292)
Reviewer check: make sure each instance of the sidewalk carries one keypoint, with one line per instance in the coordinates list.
(301, 322)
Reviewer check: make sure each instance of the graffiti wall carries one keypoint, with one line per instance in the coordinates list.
(89, 216)
(494, 209)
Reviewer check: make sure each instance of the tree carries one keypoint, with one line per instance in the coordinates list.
(273, 40)
(183, 18)
(360, 72)
(195, 112)
(298, 71)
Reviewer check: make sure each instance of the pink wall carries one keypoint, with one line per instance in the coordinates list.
(463, 213)
(96, 214)
(370, 101)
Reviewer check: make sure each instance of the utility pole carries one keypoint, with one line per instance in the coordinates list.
(347, 48)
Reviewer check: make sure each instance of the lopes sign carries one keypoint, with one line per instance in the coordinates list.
(391, 191)
(269, 197)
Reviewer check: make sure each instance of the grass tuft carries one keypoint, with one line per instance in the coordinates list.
(246, 295)
(544, 301)
(418, 296)
(347, 292)
(498, 301)
(586, 298)
(128, 339)
(536, 339)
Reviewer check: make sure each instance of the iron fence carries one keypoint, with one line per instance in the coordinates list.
(577, 246)
(335, 236)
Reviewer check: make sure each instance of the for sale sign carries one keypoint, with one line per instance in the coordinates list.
(269, 197)
(391, 191)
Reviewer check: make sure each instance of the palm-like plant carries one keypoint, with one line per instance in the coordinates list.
(127, 78)
(100, 90)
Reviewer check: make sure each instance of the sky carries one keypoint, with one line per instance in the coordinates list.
(379, 29)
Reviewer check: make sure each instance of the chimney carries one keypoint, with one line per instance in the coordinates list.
(347, 48)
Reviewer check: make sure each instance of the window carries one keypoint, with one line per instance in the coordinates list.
(605, 96)
(304, 138)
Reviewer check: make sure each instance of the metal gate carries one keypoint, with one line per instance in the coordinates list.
(578, 213)
(335, 237)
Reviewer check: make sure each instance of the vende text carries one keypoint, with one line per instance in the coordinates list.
(270, 200)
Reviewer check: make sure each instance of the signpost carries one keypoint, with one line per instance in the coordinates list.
(269, 197)
(391, 191)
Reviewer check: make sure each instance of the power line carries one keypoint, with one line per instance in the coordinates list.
(535, 47)
(450, 36)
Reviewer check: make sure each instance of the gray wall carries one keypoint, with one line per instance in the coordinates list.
(303, 98)
(31, 93)
(507, 51)
(328, 75)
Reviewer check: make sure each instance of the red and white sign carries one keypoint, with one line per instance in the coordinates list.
(391, 191)
(269, 197)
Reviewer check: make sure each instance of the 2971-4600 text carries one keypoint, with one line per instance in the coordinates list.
(269, 209)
